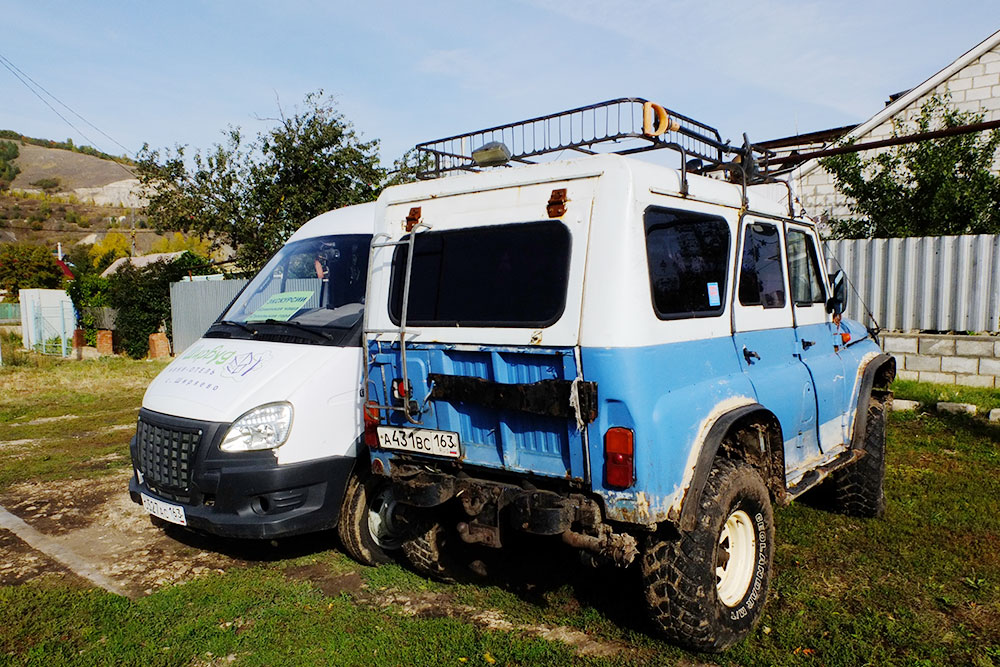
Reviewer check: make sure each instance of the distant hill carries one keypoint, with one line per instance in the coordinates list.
(90, 178)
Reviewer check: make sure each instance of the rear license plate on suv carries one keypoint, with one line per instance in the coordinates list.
(166, 511)
(420, 441)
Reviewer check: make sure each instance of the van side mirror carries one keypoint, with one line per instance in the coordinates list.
(836, 303)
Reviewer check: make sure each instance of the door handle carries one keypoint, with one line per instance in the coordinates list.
(806, 344)
(749, 355)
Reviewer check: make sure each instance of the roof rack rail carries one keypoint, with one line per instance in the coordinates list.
(625, 125)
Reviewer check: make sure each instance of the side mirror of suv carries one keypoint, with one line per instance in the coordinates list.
(836, 303)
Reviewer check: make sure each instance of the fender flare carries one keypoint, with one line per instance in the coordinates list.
(706, 459)
(884, 364)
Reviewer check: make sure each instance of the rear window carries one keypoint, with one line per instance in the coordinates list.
(688, 257)
(500, 276)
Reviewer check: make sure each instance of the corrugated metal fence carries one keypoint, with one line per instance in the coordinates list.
(940, 283)
(195, 305)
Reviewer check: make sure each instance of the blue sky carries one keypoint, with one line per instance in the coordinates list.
(180, 72)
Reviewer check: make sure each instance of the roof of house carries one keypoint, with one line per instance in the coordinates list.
(141, 261)
(901, 101)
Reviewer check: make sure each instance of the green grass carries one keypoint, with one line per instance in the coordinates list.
(930, 394)
(919, 587)
(89, 398)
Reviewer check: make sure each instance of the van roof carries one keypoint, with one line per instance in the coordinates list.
(355, 219)
(770, 198)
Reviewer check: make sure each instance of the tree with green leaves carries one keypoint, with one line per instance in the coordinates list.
(27, 266)
(251, 195)
(8, 170)
(935, 187)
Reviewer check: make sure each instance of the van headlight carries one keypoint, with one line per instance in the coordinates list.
(264, 427)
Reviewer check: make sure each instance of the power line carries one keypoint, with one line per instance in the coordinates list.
(24, 78)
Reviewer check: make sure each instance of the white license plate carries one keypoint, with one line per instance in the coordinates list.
(166, 511)
(419, 441)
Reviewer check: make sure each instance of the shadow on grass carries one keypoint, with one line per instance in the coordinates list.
(254, 550)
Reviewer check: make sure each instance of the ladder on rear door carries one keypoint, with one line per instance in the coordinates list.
(383, 240)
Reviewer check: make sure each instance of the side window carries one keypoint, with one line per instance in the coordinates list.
(688, 256)
(803, 269)
(762, 282)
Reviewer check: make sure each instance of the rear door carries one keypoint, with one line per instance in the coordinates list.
(493, 318)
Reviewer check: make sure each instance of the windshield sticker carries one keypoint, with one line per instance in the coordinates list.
(713, 295)
(281, 307)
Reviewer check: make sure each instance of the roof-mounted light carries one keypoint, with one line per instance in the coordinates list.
(493, 154)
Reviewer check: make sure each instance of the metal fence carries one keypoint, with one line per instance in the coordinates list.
(47, 321)
(10, 313)
(941, 283)
(195, 305)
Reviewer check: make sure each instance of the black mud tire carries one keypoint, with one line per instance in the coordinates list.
(858, 488)
(428, 550)
(367, 525)
(684, 593)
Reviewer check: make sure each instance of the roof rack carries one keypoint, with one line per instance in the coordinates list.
(625, 125)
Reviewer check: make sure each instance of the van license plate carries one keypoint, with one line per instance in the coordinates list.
(419, 441)
(166, 511)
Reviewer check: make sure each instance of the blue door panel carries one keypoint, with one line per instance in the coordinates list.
(816, 349)
(782, 384)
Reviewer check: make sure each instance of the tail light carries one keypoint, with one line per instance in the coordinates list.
(619, 458)
(400, 390)
(372, 419)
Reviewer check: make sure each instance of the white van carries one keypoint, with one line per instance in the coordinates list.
(253, 431)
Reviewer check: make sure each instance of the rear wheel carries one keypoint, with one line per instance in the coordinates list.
(858, 488)
(368, 524)
(428, 551)
(706, 589)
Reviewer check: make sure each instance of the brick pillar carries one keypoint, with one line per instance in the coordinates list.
(159, 346)
(79, 341)
(105, 342)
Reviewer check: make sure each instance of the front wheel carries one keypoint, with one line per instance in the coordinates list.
(706, 588)
(368, 524)
(858, 488)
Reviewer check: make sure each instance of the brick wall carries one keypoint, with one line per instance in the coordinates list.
(973, 361)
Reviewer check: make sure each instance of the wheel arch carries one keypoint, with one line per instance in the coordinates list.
(875, 380)
(738, 434)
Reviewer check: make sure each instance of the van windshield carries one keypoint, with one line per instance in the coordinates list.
(312, 290)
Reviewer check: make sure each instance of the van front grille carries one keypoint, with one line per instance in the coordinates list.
(166, 455)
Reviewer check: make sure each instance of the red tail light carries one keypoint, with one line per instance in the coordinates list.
(619, 458)
(372, 419)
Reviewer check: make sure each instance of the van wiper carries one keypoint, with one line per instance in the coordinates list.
(238, 325)
(315, 331)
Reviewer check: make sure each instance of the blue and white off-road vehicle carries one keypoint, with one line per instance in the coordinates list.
(637, 359)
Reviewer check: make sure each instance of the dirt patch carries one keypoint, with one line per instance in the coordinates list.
(98, 521)
(440, 605)
(331, 583)
(19, 563)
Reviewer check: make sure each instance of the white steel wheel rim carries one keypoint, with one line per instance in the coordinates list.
(736, 558)
(381, 520)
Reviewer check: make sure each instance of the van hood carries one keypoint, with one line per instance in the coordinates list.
(220, 379)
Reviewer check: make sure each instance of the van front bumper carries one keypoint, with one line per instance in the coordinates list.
(245, 495)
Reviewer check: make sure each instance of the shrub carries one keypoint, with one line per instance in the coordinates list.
(142, 298)
(47, 183)
(37, 225)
